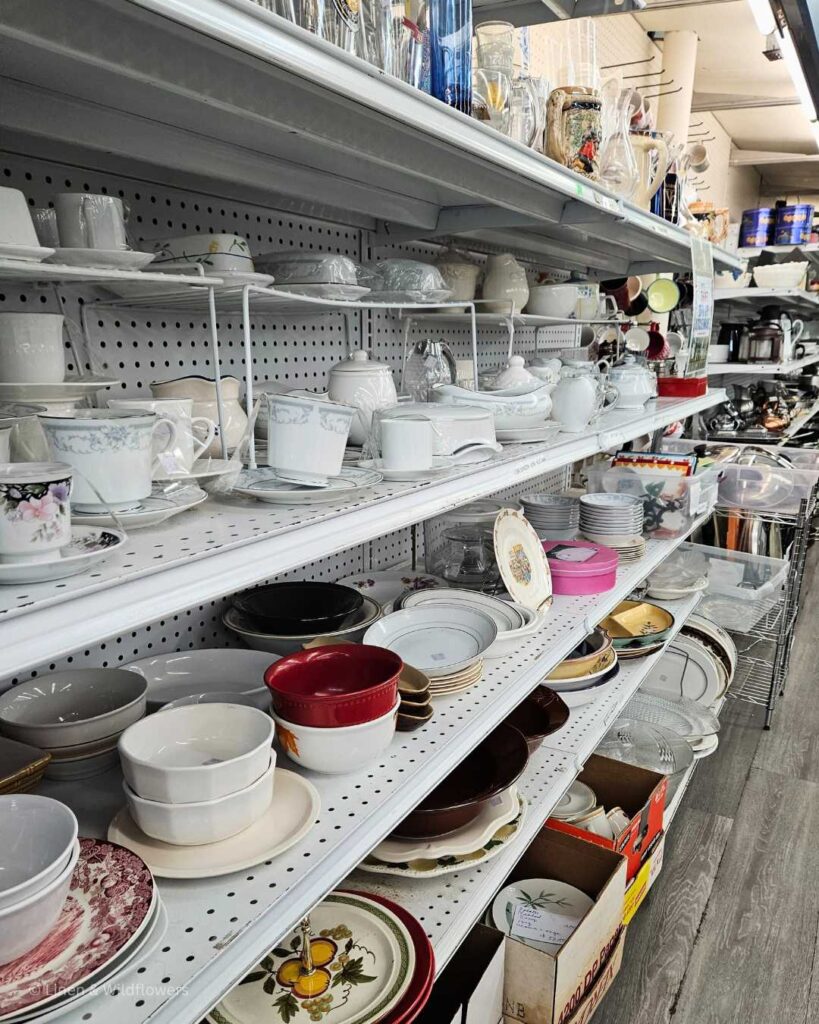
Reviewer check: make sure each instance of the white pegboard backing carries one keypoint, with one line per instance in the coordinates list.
(620, 39)
(201, 626)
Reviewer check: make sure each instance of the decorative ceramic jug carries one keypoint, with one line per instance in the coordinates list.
(366, 386)
(580, 396)
(504, 285)
(574, 129)
(203, 392)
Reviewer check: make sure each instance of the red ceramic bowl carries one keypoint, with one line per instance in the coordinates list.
(343, 684)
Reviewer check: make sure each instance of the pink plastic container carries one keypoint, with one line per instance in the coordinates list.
(580, 567)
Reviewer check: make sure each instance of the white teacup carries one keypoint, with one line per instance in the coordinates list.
(180, 457)
(31, 348)
(306, 438)
(406, 443)
(16, 225)
(86, 221)
(35, 510)
(111, 453)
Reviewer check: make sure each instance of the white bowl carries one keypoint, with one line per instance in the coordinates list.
(63, 709)
(226, 670)
(370, 612)
(205, 821)
(336, 751)
(201, 752)
(214, 252)
(559, 300)
(247, 700)
(25, 924)
(508, 642)
(780, 275)
(726, 279)
(37, 837)
(437, 639)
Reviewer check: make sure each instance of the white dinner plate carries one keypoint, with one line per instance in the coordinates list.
(507, 615)
(102, 259)
(688, 669)
(439, 640)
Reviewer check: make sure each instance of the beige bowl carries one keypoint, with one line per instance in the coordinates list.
(587, 663)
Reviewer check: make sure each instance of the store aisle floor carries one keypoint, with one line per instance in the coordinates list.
(730, 931)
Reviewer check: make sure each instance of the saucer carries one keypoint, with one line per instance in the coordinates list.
(72, 387)
(102, 259)
(25, 253)
(527, 435)
(88, 546)
(161, 505)
(440, 465)
(203, 469)
(265, 485)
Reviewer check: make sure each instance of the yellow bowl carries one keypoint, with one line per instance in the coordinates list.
(585, 664)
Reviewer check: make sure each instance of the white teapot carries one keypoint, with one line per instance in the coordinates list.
(580, 396)
(635, 384)
(365, 385)
(513, 375)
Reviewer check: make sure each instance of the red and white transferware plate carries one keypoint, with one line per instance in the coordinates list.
(108, 905)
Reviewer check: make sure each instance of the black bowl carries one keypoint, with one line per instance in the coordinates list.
(299, 608)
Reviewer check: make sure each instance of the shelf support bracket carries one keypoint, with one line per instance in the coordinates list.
(455, 220)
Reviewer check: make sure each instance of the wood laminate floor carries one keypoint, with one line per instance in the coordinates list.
(730, 932)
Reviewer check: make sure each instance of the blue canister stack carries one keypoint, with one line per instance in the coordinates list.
(757, 227)
(793, 224)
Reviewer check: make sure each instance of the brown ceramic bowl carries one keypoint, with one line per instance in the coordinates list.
(542, 713)
(492, 767)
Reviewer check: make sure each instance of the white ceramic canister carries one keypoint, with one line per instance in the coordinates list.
(35, 510)
(203, 392)
(504, 285)
(306, 437)
(365, 385)
(111, 453)
(31, 348)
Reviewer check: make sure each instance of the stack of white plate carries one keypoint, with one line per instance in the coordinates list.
(554, 516)
(611, 518)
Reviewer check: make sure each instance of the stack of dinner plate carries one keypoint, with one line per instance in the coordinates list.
(611, 518)
(554, 516)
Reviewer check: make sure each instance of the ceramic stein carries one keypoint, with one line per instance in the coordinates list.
(111, 453)
(203, 392)
(31, 348)
(504, 286)
(179, 458)
(306, 437)
(366, 386)
(35, 511)
(574, 129)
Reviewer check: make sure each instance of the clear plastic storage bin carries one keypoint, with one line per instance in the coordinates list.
(671, 501)
(758, 486)
(742, 588)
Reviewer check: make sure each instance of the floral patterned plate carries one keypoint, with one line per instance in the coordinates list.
(108, 905)
(431, 868)
(88, 546)
(556, 898)
(363, 963)
(522, 561)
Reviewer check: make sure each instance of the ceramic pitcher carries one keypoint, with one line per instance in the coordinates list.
(203, 392)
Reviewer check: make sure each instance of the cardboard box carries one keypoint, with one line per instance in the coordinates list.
(544, 989)
(644, 879)
(639, 792)
(470, 988)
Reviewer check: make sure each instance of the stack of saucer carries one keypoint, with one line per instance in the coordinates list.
(612, 520)
(554, 516)
(628, 547)
(455, 682)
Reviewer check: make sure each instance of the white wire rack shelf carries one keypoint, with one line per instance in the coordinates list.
(761, 369)
(746, 252)
(220, 927)
(449, 906)
(412, 167)
(229, 543)
(35, 272)
(793, 298)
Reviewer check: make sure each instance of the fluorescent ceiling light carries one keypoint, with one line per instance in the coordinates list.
(791, 58)
(763, 16)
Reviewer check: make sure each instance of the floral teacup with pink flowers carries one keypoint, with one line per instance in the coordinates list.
(35, 511)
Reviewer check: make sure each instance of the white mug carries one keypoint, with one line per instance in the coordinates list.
(35, 511)
(178, 458)
(87, 221)
(111, 453)
(31, 348)
(406, 443)
(16, 226)
(595, 307)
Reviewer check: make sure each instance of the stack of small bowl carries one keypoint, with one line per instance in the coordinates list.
(554, 516)
(198, 774)
(76, 716)
(415, 708)
(38, 839)
(616, 522)
(282, 618)
(592, 664)
(335, 707)
(638, 628)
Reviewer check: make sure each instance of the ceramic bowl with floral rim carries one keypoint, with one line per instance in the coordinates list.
(35, 510)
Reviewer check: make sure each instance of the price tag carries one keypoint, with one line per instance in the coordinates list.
(538, 925)
(702, 318)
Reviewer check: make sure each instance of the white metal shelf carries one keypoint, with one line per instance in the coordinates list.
(747, 251)
(449, 906)
(761, 369)
(503, 319)
(229, 543)
(61, 273)
(793, 298)
(220, 927)
(343, 141)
